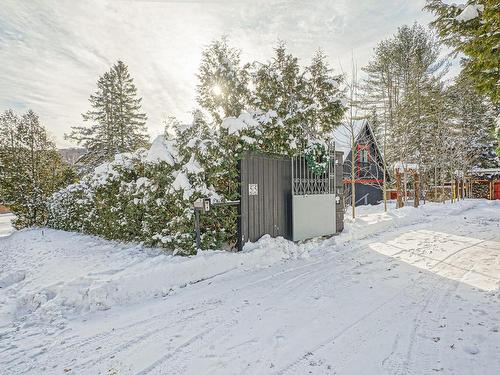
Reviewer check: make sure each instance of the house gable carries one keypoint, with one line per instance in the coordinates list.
(369, 162)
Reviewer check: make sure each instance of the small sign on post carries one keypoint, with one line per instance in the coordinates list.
(198, 204)
(253, 189)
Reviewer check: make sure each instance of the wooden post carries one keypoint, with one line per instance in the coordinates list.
(491, 189)
(416, 189)
(405, 196)
(435, 184)
(399, 203)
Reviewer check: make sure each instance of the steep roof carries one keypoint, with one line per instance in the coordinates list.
(342, 136)
(343, 141)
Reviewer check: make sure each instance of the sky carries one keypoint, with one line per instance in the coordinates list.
(52, 52)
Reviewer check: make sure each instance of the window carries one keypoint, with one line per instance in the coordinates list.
(364, 153)
(363, 160)
(363, 156)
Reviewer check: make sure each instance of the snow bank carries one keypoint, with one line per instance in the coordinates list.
(6, 227)
(73, 274)
(11, 278)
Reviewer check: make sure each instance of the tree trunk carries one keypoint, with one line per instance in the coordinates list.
(398, 190)
(416, 189)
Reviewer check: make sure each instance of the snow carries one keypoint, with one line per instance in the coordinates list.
(108, 171)
(162, 150)
(407, 291)
(470, 12)
(6, 224)
(181, 182)
(485, 171)
(403, 166)
(237, 124)
(192, 166)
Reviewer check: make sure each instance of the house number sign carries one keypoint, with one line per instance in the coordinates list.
(253, 189)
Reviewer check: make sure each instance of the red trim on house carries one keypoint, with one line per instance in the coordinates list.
(364, 181)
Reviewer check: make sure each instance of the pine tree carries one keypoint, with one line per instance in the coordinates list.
(472, 29)
(473, 123)
(31, 167)
(9, 143)
(403, 66)
(222, 89)
(117, 124)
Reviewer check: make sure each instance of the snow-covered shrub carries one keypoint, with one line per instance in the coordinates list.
(148, 196)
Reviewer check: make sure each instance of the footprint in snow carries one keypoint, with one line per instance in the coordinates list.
(12, 278)
(471, 349)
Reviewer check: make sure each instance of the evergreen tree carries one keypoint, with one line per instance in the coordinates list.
(148, 196)
(472, 29)
(222, 88)
(31, 167)
(473, 124)
(117, 124)
(279, 89)
(322, 97)
(397, 75)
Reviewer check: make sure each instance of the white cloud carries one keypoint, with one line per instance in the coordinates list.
(52, 52)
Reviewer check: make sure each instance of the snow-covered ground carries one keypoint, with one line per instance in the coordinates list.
(405, 292)
(6, 224)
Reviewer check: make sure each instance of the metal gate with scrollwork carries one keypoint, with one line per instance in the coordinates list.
(314, 197)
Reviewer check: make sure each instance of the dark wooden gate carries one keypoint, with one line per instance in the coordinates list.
(265, 197)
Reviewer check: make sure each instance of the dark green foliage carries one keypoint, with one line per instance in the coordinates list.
(473, 121)
(222, 88)
(134, 198)
(30, 167)
(116, 123)
(477, 38)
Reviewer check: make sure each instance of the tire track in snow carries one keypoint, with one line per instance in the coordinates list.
(307, 277)
(138, 338)
(179, 362)
(332, 338)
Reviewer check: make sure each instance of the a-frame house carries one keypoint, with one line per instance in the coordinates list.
(368, 163)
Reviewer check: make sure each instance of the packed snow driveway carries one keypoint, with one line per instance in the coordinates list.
(407, 292)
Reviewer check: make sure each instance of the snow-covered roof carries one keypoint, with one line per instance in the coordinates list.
(485, 171)
(342, 136)
(402, 166)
